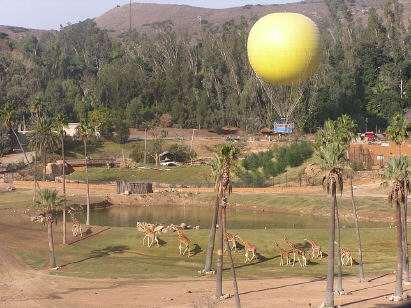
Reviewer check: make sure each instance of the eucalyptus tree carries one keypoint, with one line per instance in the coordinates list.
(8, 115)
(84, 130)
(398, 132)
(50, 202)
(396, 173)
(59, 124)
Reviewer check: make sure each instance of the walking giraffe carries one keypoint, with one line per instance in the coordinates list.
(76, 223)
(231, 238)
(148, 234)
(297, 251)
(183, 240)
(283, 254)
(315, 247)
(248, 247)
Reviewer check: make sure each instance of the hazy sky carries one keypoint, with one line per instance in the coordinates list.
(50, 14)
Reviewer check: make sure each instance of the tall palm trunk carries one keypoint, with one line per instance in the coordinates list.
(24, 153)
(44, 164)
(235, 286)
(329, 296)
(340, 289)
(88, 191)
(210, 249)
(398, 283)
(51, 243)
(219, 274)
(35, 159)
(405, 259)
(357, 230)
(64, 189)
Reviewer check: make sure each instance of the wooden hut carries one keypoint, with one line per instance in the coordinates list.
(134, 187)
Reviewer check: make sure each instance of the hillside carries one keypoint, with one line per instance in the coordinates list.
(186, 18)
(17, 33)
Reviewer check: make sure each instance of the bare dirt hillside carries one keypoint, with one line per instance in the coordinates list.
(186, 18)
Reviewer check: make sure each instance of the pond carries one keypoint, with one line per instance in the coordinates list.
(124, 216)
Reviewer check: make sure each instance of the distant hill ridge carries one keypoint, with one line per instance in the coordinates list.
(187, 18)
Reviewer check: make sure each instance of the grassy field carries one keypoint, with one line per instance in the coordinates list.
(183, 175)
(119, 253)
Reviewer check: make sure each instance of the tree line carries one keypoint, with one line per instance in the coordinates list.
(136, 81)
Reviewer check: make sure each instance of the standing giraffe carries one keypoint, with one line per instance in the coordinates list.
(248, 247)
(231, 238)
(297, 251)
(345, 253)
(76, 224)
(315, 247)
(148, 234)
(283, 254)
(183, 240)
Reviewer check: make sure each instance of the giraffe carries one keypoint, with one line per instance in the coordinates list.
(345, 253)
(315, 247)
(183, 240)
(297, 251)
(231, 238)
(283, 254)
(76, 224)
(148, 234)
(248, 247)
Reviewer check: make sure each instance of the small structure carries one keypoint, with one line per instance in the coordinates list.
(134, 187)
(283, 127)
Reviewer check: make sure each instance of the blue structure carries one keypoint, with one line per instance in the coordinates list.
(283, 127)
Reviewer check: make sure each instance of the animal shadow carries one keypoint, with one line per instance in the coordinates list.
(197, 249)
(161, 242)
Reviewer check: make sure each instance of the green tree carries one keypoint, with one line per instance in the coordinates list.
(50, 202)
(59, 124)
(8, 115)
(84, 130)
(102, 121)
(396, 173)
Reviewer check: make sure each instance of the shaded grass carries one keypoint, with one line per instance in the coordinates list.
(183, 175)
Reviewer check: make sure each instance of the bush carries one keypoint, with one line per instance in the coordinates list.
(122, 132)
(181, 153)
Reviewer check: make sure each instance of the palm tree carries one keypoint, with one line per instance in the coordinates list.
(8, 115)
(36, 109)
(216, 166)
(84, 130)
(331, 155)
(47, 140)
(397, 174)
(50, 202)
(398, 132)
(333, 134)
(346, 128)
(228, 155)
(59, 124)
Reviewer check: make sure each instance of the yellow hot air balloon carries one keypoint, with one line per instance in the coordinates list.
(284, 48)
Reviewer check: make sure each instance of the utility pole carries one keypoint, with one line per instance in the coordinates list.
(130, 16)
(145, 145)
(192, 139)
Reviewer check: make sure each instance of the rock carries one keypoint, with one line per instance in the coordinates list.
(126, 192)
(197, 227)
(189, 227)
(11, 188)
(187, 291)
(56, 169)
(183, 226)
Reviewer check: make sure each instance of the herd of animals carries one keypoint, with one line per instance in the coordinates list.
(184, 243)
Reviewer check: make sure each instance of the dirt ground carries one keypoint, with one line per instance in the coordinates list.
(23, 286)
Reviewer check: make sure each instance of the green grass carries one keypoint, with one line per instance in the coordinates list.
(101, 150)
(119, 253)
(183, 175)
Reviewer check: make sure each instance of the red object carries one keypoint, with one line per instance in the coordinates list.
(370, 136)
